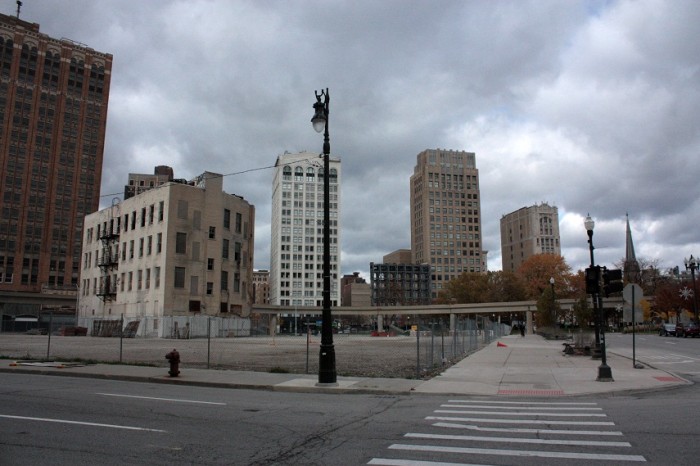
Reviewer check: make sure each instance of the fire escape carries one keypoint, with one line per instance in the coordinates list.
(109, 256)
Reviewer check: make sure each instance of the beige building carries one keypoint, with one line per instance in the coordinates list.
(400, 256)
(355, 291)
(446, 215)
(141, 182)
(529, 231)
(182, 249)
(261, 287)
(296, 246)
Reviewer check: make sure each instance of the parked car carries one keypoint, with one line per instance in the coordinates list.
(691, 329)
(667, 329)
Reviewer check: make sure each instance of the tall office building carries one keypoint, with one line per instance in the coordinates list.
(446, 215)
(53, 113)
(296, 256)
(529, 231)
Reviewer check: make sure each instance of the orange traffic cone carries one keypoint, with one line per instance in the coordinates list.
(501, 345)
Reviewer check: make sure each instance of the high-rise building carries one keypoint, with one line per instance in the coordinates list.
(529, 231)
(446, 215)
(296, 255)
(174, 251)
(53, 113)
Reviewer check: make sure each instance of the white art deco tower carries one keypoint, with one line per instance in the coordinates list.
(296, 255)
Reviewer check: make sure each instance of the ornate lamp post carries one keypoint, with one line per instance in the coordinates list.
(594, 277)
(692, 264)
(326, 361)
(592, 283)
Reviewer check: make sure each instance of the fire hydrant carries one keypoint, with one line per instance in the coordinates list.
(174, 358)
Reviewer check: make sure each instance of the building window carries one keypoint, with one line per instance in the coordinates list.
(156, 276)
(210, 288)
(239, 222)
(179, 277)
(224, 280)
(161, 207)
(224, 249)
(182, 209)
(181, 243)
(149, 246)
(227, 219)
(212, 232)
(210, 264)
(159, 243)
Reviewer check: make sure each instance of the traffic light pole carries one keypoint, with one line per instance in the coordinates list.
(610, 281)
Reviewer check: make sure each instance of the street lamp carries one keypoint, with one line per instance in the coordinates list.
(589, 224)
(593, 285)
(326, 361)
(554, 311)
(692, 264)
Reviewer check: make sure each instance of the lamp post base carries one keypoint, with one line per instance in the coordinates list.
(326, 367)
(604, 374)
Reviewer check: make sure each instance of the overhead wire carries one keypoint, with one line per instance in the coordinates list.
(216, 175)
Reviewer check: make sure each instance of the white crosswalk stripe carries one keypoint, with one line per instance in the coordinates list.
(469, 430)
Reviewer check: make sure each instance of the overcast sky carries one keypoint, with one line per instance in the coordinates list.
(592, 106)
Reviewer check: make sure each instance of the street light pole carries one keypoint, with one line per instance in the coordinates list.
(692, 264)
(554, 311)
(589, 224)
(604, 371)
(326, 361)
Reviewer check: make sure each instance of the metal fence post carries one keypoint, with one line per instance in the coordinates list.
(48, 345)
(431, 363)
(208, 340)
(418, 351)
(121, 337)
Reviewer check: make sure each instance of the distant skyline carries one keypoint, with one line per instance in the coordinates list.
(592, 106)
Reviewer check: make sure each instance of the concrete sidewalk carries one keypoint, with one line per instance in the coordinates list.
(512, 365)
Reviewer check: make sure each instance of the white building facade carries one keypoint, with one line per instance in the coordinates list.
(296, 255)
(178, 250)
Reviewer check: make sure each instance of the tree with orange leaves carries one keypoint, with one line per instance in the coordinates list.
(537, 271)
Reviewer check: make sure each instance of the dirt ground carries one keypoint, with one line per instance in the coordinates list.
(356, 355)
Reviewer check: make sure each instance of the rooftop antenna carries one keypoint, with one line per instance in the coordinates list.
(19, 6)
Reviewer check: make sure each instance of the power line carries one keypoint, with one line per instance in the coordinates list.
(216, 175)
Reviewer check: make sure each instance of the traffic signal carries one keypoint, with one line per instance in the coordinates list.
(612, 281)
(592, 279)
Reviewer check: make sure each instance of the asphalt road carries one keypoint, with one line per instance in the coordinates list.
(64, 420)
(678, 355)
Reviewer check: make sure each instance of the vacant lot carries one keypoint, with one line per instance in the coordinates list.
(356, 355)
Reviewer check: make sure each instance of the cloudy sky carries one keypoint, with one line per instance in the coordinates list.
(592, 106)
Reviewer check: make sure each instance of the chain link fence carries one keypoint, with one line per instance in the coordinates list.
(259, 343)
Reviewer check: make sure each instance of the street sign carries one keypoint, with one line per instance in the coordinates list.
(633, 295)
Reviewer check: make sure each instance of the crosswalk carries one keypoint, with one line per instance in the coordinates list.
(471, 432)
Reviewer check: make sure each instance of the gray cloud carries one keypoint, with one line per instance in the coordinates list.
(591, 106)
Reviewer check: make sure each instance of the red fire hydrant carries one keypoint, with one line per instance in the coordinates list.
(174, 358)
